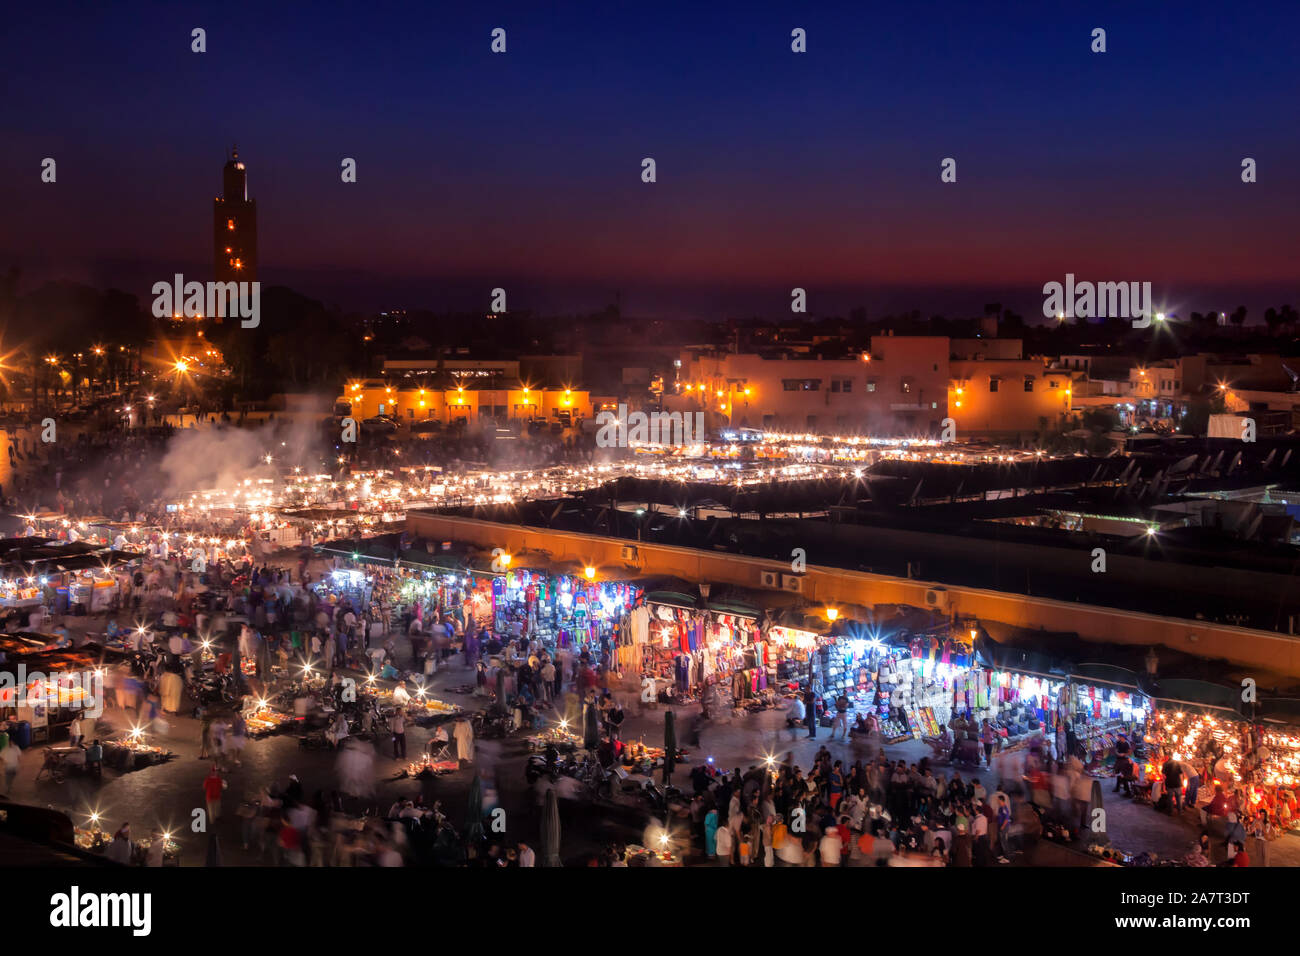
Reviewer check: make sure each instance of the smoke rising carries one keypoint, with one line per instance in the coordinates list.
(221, 456)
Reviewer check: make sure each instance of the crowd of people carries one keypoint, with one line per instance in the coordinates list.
(867, 813)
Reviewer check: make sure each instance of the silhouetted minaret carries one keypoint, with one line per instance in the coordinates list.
(234, 226)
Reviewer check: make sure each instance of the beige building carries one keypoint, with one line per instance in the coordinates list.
(898, 388)
(409, 403)
(1008, 398)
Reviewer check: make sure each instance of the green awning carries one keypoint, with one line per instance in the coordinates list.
(1119, 678)
(1181, 692)
(737, 608)
(672, 599)
(447, 563)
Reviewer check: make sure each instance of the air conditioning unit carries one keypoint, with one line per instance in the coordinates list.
(628, 552)
(936, 599)
(792, 583)
(770, 579)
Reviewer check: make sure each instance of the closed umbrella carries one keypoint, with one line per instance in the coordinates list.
(670, 745)
(551, 831)
(214, 850)
(590, 726)
(474, 813)
(1096, 831)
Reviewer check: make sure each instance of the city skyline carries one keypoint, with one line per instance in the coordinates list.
(648, 435)
(477, 170)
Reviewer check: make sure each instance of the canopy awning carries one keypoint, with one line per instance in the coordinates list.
(735, 608)
(672, 599)
(1183, 693)
(1021, 660)
(1108, 675)
(446, 563)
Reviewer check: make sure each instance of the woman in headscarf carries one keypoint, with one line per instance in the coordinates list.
(121, 850)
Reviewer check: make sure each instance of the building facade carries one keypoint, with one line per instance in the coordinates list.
(408, 403)
(1008, 399)
(898, 388)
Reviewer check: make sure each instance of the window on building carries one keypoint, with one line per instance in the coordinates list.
(835, 385)
(801, 384)
(905, 386)
(1052, 383)
(871, 385)
(230, 224)
(1029, 383)
(847, 385)
(993, 383)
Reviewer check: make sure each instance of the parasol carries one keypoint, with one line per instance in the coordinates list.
(474, 815)
(551, 831)
(1092, 834)
(590, 726)
(214, 850)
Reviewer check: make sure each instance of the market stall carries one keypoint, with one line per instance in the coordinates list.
(132, 751)
(560, 610)
(683, 649)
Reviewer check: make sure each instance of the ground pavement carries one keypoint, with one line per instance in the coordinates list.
(168, 794)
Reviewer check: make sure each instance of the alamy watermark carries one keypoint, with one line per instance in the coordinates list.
(656, 428)
(1098, 300)
(75, 909)
(68, 690)
(213, 299)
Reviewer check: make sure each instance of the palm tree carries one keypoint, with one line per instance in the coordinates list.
(1238, 317)
(1288, 316)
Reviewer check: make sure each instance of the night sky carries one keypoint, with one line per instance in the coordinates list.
(775, 169)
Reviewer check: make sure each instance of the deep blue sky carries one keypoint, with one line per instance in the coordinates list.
(775, 169)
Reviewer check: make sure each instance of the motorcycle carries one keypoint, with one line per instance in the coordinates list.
(492, 724)
(213, 690)
(595, 780)
(659, 798)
